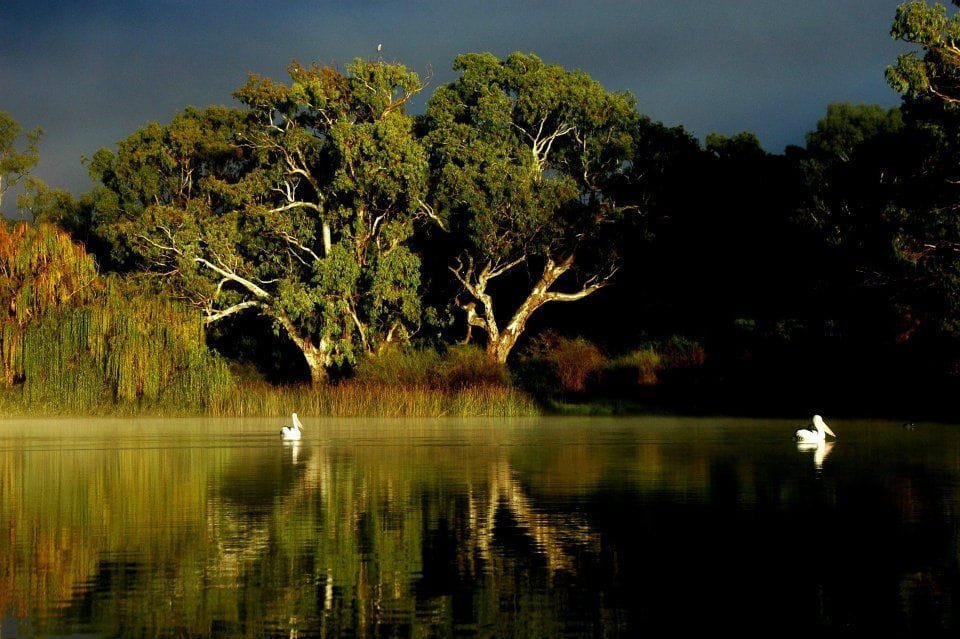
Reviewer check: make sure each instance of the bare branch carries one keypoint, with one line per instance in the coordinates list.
(306, 249)
(245, 283)
(236, 308)
(497, 271)
(162, 247)
(428, 210)
(297, 204)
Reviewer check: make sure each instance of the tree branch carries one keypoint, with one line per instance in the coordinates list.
(213, 316)
(245, 283)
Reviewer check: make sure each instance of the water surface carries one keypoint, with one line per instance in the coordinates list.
(529, 528)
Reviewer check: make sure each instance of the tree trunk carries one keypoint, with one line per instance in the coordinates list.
(317, 361)
(500, 344)
(317, 356)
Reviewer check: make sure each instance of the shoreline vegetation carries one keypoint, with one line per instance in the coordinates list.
(77, 343)
(529, 244)
(342, 400)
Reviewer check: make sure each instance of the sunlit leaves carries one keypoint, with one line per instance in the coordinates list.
(16, 164)
(937, 72)
(76, 340)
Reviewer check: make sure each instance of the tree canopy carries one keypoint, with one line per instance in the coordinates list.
(298, 206)
(525, 156)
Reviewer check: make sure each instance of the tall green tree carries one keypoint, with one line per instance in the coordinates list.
(345, 180)
(525, 156)
(926, 237)
(16, 164)
(298, 207)
(856, 168)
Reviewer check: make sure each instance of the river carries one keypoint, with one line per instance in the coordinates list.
(550, 527)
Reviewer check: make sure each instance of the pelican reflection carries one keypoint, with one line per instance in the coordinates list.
(820, 451)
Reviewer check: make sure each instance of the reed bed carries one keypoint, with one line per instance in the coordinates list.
(360, 399)
(248, 399)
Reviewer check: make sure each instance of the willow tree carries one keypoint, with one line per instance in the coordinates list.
(41, 271)
(72, 338)
(524, 157)
(297, 207)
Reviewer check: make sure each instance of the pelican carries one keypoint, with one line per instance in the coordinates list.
(816, 435)
(291, 433)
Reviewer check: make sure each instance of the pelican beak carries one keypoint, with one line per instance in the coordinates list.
(827, 430)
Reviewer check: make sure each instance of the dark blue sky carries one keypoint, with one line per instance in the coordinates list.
(92, 72)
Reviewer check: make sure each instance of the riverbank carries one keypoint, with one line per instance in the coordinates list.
(259, 399)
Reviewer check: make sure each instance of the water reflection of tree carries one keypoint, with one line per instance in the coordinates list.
(257, 542)
(373, 540)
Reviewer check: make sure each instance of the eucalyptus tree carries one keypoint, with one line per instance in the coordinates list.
(297, 207)
(926, 228)
(340, 179)
(524, 157)
(937, 72)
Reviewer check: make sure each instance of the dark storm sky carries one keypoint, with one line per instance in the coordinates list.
(92, 72)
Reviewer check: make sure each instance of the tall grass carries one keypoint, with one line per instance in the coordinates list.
(362, 399)
(399, 382)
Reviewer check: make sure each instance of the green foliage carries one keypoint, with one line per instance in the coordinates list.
(403, 366)
(642, 365)
(53, 206)
(554, 366)
(656, 363)
(937, 73)
(847, 126)
(520, 136)
(459, 366)
(524, 156)
(741, 145)
(299, 206)
(73, 341)
(464, 366)
(682, 352)
(121, 348)
(41, 271)
(15, 165)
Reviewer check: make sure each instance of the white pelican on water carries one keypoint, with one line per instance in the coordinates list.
(291, 433)
(816, 435)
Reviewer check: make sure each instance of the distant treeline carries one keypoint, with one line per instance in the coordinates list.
(320, 233)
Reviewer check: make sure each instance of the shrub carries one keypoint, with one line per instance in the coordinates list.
(399, 365)
(555, 363)
(642, 365)
(465, 365)
(460, 366)
(683, 352)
